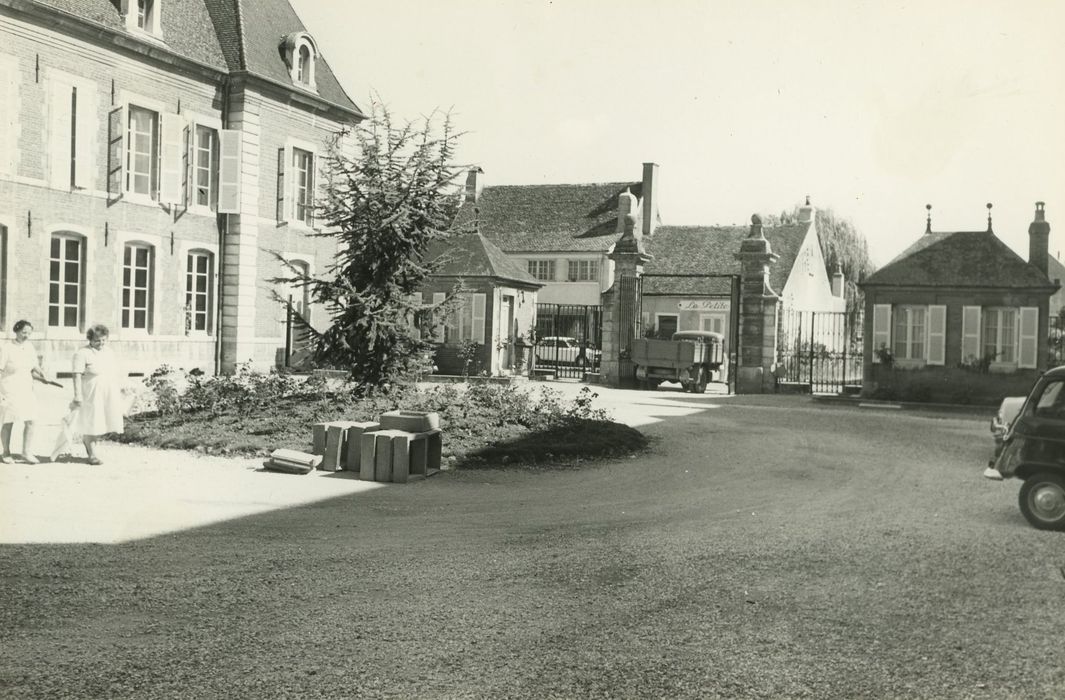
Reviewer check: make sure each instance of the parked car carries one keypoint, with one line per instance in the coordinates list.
(1033, 449)
(566, 351)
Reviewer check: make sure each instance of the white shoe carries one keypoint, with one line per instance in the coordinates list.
(992, 473)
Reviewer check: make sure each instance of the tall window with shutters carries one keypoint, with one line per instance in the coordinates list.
(199, 270)
(303, 185)
(909, 333)
(142, 153)
(66, 280)
(466, 321)
(999, 334)
(205, 168)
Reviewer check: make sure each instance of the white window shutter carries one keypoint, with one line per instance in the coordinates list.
(59, 132)
(188, 161)
(85, 130)
(438, 321)
(881, 328)
(1028, 328)
(477, 327)
(282, 185)
(172, 166)
(229, 151)
(937, 335)
(9, 118)
(970, 333)
(116, 153)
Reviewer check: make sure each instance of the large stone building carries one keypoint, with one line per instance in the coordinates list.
(152, 154)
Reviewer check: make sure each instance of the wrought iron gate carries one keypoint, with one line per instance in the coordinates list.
(820, 351)
(568, 339)
(1056, 341)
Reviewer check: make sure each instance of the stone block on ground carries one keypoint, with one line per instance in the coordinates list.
(351, 457)
(410, 421)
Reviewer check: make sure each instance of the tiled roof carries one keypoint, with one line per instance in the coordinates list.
(960, 259)
(238, 35)
(471, 255)
(186, 26)
(548, 218)
(1055, 270)
(712, 250)
(260, 27)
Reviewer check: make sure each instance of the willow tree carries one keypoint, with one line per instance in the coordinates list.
(389, 195)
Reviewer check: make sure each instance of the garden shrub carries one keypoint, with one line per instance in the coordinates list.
(954, 385)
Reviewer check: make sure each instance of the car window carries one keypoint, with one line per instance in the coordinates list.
(1052, 401)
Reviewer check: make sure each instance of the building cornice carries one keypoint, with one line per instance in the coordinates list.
(292, 95)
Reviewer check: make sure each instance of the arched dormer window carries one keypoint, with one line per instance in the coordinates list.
(300, 54)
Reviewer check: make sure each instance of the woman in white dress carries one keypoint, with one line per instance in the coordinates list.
(97, 391)
(19, 366)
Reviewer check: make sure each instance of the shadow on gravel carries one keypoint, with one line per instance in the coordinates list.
(560, 446)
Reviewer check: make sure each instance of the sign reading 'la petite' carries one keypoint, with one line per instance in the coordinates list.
(703, 305)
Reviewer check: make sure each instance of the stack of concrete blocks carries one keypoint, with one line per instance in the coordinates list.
(400, 446)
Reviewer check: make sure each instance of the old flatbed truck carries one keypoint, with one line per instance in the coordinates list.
(688, 357)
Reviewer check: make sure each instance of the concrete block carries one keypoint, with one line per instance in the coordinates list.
(410, 421)
(351, 457)
(336, 436)
(318, 436)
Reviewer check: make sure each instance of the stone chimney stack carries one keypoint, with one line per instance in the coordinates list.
(807, 212)
(1039, 240)
(474, 184)
(837, 282)
(650, 198)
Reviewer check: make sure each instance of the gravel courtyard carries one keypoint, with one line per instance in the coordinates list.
(767, 547)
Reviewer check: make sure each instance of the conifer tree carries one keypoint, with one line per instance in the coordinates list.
(384, 204)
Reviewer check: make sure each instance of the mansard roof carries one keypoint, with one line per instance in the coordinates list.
(251, 33)
(227, 35)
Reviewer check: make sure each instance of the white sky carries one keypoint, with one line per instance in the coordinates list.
(872, 108)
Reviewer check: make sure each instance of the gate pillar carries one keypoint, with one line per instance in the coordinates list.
(621, 303)
(759, 306)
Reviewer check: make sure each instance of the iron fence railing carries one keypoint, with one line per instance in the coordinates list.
(820, 349)
(568, 339)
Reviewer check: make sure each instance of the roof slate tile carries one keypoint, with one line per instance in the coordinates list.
(712, 250)
(959, 259)
(548, 218)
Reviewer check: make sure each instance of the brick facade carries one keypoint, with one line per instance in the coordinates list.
(42, 195)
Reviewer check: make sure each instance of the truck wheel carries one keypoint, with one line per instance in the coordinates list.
(1042, 501)
(699, 385)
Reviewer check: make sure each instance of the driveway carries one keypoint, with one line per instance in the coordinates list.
(766, 547)
(140, 492)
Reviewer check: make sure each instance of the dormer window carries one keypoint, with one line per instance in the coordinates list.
(300, 54)
(303, 73)
(142, 16)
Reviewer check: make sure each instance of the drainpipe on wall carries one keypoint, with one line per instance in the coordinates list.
(223, 228)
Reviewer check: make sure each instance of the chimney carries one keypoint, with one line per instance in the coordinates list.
(807, 212)
(626, 206)
(474, 184)
(650, 198)
(837, 282)
(1039, 240)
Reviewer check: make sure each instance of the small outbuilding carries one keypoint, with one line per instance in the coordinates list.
(489, 329)
(959, 317)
